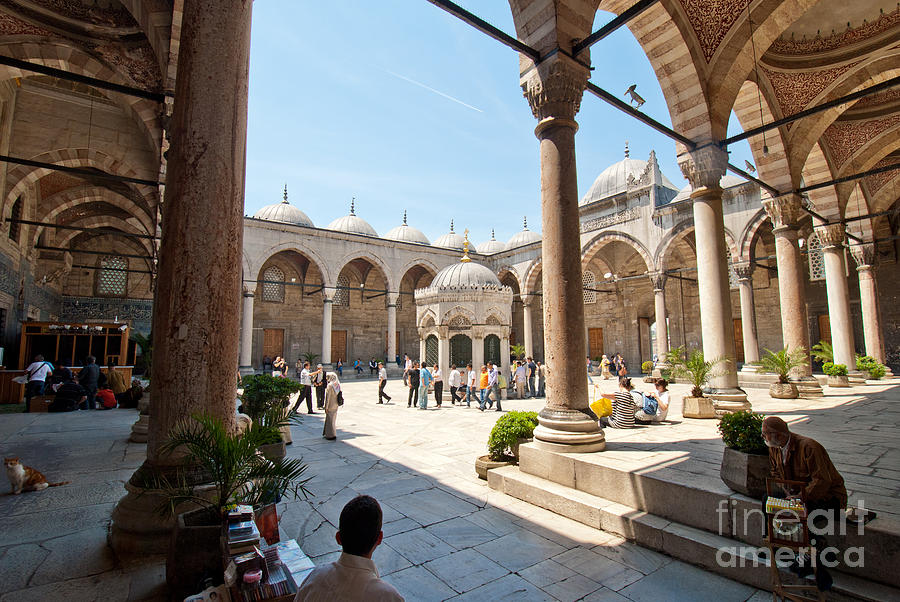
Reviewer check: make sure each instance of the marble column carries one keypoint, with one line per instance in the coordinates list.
(832, 237)
(785, 212)
(478, 350)
(527, 304)
(196, 330)
(658, 279)
(864, 255)
(704, 168)
(444, 354)
(327, 308)
(554, 89)
(744, 271)
(392, 327)
(246, 363)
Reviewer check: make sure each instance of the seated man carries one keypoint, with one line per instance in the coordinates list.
(353, 576)
(69, 396)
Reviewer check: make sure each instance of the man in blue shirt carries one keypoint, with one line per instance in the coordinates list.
(424, 381)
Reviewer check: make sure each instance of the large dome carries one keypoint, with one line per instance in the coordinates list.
(452, 240)
(491, 246)
(352, 223)
(284, 212)
(614, 179)
(465, 274)
(406, 233)
(525, 237)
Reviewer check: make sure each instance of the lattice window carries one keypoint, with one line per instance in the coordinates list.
(491, 349)
(732, 274)
(460, 349)
(589, 281)
(459, 323)
(342, 294)
(14, 226)
(112, 279)
(814, 256)
(431, 350)
(273, 285)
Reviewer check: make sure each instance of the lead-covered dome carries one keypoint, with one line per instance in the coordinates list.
(525, 237)
(491, 246)
(614, 179)
(284, 213)
(352, 223)
(465, 274)
(406, 233)
(452, 240)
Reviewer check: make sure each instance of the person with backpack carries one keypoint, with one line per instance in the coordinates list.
(655, 404)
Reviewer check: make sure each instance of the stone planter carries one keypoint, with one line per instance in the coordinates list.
(515, 447)
(745, 473)
(484, 463)
(698, 407)
(274, 451)
(838, 381)
(194, 553)
(784, 391)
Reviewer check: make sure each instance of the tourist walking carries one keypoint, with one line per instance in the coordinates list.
(333, 398)
(382, 381)
(37, 372)
(318, 381)
(438, 385)
(532, 370)
(494, 384)
(424, 382)
(471, 385)
(407, 366)
(542, 379)
(412, 381)
(305, 391)
(455, 380)
(340, 368)
(604, 368)
(298, 368)
(520, 377)
(483, 380)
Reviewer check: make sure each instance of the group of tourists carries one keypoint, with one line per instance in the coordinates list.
(617, 363)
(90, 389)
(630, 407)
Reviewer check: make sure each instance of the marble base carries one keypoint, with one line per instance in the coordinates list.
(809, 387)
(568, 431)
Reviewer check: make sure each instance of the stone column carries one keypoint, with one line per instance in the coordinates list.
(246, 363)
(832, 237)
(327, 307)
(744, 271)
(704, 168)
(444, 354)
(864, 255)
(785, 212)
(196, 330)
(658, 279)
(554, 89)
(527, 304)
(478, 349)
(392, 327)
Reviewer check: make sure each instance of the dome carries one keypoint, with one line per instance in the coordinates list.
(352, 224)
(614, 179)
(406, 233)
(525, 237)
(465, 274)
(452, 240)
(284, 212)
(491, 246)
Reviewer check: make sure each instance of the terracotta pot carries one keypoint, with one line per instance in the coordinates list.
(484, 463)
(698, 407)
(194, 553)
(838, 381)
(784, 391)
(745, 473)
(274, 451)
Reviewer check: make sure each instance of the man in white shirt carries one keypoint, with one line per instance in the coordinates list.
(382, 380)
(306, 392)
(494, 384)
(455, 380)
(520, 376)
(37, 372)
(471, 384)
(353, 576)
(407, 366)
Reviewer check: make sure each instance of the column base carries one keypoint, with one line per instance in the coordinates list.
(246, 370)
(568, 431)
(728, 400)
(140, 429)
(749, 368)
(809, 387)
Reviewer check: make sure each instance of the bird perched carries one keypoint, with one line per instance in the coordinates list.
(750, 166)
(635, 97)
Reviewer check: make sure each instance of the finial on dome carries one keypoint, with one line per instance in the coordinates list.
(285, 194)
(492, 234)
(353, 206)
(525, 222)
(451, 226)
(627, 152)
(404, 217)
(465, 257)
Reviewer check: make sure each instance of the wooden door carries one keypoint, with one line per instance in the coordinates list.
(825, 328)
(338, 346)
(595, 342)
(273, 342)
(739, 340)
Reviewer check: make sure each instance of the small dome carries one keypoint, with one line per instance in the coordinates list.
(284, 212)
(525, 237)
(406, 233)
(614, 179)
(491, 246)
(452, 240)
(465, 274)
(352, 224)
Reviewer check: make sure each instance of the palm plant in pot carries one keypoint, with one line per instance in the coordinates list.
(745, 461)
(508, 433)
(696, 370)
(837, 374)
(781, 363)
(265, 400)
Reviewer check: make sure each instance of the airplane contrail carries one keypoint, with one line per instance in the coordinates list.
(430, 89)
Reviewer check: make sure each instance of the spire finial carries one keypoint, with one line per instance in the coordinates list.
(451, 226)
(525, 222)
(627, 152)
(492, 234)
(404, 217)
(285, 194)
(353, 206)
(465, 257)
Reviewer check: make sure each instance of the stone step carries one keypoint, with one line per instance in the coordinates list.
(722, 555)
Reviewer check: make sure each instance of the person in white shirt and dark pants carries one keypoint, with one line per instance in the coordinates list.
(382, 381)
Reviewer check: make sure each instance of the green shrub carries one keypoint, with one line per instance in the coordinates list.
(265, 401)
(834, 369)
(823, 352)
(647, 367)
(869, 364)
(506, 433)
(742, 431)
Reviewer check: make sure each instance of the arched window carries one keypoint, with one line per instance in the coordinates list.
(112, 278)
(431, 350)
(814, 256)
(492, 349)
(342, 294)
(14, 215)
(273, 285)
(588, 280)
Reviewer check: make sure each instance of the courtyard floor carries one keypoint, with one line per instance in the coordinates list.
(447, 535)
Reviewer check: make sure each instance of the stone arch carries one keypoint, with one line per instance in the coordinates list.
(678, 233)
(498, 314)
(105, 221)
(513, 273)
(428, 319)
(457, 310)
(363, 253)
(772, 167)
(855, 204)
(750, 230)
(426, 264)
(133, 245)
(297, 246)
(532, 273)
(590, 249)
(875, 149)
(886, 195)
(815, 171)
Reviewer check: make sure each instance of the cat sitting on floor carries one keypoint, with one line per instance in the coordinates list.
(25, 478)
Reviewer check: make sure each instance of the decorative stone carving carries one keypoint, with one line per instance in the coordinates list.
(844, 138)
(831, 235)
(658, 279)
(784, 211)
(554, 88)
(711, 21)
(794, 90)
(743, 269)
(851, 35)
(704, 167)
(619, 217)
(864, 254)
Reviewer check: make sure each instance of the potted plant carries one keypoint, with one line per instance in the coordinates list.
(822, 352)
(837, 374)
(869, 364)
(265, 400)
(510, 431)
(781, 363)
(694, 368)
(745, 460)
(517, 351)
(219, 468)
(647, 368)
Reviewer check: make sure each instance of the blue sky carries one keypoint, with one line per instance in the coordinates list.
(404, 107)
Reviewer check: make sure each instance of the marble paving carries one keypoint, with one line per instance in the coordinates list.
(447, 536)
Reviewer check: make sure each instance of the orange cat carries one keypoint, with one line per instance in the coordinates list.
(25, 478)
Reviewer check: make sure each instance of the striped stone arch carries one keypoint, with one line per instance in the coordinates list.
(885, 197)
(132, 245)
(604, 238)
(816, 171)
(745, 247)
(254, 265)
(61, 55)
(681, 230)
(873, 150)
(106, 221)
(532, 273)
(371, 257)
(772, 167)
(855, 205)
(508, 269)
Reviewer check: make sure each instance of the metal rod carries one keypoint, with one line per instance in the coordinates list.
(890, 83)
(82, 79)
(77, 171)
(626, 108)
(871, 215)
(486, 28)
(46, 248)
(82, 229)
(97, 267)
(772, 190)
(850, 178)
(627, 15)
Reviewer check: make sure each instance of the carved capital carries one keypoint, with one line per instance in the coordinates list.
(529, 300)
(744, 269)
(478, 332)
(328, 294)
(784, 211)
(704, 167)
(392, 299)
(831, 235)
(554, 88)
(248, 292)
(863, 254)
(658, 279)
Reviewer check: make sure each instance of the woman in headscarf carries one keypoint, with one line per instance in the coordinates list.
(332, 390)
(604, 368)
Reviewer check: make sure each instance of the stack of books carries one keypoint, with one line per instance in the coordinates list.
(286, 568)
(242, 537)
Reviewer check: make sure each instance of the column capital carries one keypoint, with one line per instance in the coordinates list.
(528, 299)
(392, 299)
(784, 211)
(658, 279)
(831, 235)
(554, 88)
(248, 292)
(744, 269)
(328, 293)
(477, 332)
(863, 255)
(704, 167)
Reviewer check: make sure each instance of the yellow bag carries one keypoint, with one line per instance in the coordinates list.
(602, 407)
